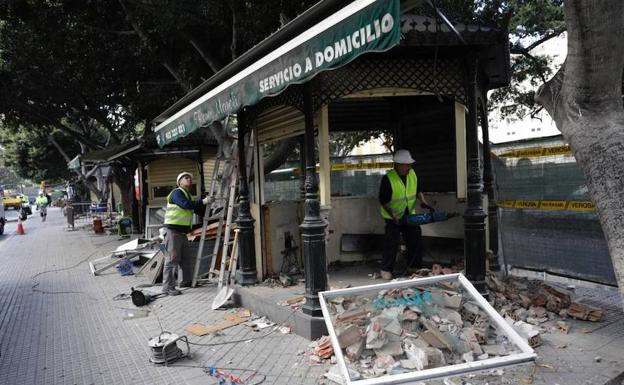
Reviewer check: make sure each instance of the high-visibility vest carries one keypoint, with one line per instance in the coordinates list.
(41, 201)
(403, 197)
(176, 215)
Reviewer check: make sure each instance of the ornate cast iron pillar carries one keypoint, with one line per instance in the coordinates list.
(488, 180)
(246, 243)
(474, 216)
(313, 227)
(302, 166)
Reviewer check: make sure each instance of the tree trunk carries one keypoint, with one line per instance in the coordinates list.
(585, 100)
(124, 179)
(81, 176)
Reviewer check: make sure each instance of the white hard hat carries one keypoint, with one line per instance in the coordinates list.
(402, 157)
(182, 174)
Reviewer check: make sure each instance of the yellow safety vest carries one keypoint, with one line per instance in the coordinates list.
(176, 215)
(403, 197)
(41, 201)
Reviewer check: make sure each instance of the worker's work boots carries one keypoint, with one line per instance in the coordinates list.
(172, 292)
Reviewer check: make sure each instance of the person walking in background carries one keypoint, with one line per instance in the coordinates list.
(42, 203)
(178, 222)
(398, 193)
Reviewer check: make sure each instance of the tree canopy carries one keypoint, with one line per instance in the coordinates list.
(98, 71)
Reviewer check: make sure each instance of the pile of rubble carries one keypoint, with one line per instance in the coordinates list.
(533, 307)
(402, 330)
(396, 331)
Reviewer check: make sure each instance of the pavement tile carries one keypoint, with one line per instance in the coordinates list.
(60, 325)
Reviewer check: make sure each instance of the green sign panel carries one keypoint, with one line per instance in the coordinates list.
(373, 28)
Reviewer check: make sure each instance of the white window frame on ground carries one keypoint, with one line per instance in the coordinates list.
(149, 227)
(527, 354)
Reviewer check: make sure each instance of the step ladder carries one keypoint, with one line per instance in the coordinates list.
(221, 203)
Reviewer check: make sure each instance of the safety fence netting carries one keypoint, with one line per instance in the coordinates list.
(547, 220)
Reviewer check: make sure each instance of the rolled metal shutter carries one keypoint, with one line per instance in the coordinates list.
(279, 122)
(161, 177)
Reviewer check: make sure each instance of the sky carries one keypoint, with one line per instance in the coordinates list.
(509, 129)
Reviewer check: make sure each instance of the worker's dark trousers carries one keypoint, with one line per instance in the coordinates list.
(413, 241)
(176, 256)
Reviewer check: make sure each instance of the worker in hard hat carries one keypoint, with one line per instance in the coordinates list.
(42, 204)
(178, 222)
(398, 193)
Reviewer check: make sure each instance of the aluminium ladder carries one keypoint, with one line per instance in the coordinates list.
(221, 203)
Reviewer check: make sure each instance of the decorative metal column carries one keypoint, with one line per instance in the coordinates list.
(302, 166)
(474, 216)
(313, 227)
(488, 180)
(246, 242)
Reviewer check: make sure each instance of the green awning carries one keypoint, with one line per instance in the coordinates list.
(362, 26)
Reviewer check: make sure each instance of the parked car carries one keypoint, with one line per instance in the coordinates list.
(12, 200)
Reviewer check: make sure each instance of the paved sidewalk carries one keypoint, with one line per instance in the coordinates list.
(60, 325)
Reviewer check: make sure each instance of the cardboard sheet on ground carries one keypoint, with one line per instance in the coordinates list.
(230, 320)
(419, 329)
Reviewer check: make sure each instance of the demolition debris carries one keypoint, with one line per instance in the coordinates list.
(420, 327)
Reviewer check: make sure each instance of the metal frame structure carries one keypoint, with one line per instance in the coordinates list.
(150, 226)
(527, 355)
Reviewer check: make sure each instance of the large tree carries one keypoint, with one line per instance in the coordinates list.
(585, 100)
(98, 71)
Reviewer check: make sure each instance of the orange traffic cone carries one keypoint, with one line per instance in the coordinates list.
(20, 227)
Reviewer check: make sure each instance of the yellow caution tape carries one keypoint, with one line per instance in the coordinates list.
(527, 205)
(534, 152)
(353, 166)
(580, 206)
(553, 205)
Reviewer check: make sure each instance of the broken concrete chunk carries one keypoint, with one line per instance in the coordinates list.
(348, 335)
(468, 357)
(351, 315)
(470, 311)
(527, 331)
(390, 349)
(520, 314)
(563, 326)
(536, 321)
(469, 336)
(375, 336)
(384, 362)
(451, 316)
(417, 356)
(355, 351)
(537, 311)
(495, 350)
(585, 312)
(524, 300)
(481, 327)
(335, 374)
(410, 315)
(408, 364)
(435, 339)
(452, 301)
(394, 327)
(435, 358)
